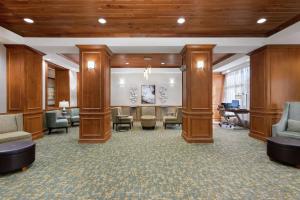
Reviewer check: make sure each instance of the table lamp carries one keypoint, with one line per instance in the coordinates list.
(63, 104)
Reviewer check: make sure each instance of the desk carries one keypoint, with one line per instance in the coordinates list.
(236, 112)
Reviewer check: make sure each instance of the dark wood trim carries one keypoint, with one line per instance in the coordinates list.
(284, 25)
(68, 58)
(223, 58)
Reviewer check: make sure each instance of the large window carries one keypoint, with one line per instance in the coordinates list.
(237, 86)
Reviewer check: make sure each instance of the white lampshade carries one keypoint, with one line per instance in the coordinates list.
(63, 104)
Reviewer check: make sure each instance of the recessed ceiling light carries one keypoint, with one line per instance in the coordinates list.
(180, 20)
(102, 21)
(261, 20)
(127, 63)
(28, 20)
(48, 59)
(162, 63)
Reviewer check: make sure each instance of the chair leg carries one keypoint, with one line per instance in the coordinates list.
(130, 125)
(67, 129)
(49, 131)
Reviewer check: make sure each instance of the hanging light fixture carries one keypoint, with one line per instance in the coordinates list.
(148, 69)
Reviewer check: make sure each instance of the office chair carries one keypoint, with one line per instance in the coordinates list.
(226, 117)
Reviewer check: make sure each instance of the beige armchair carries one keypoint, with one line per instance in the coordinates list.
(177, 119)
(118, 118)
(148, 119)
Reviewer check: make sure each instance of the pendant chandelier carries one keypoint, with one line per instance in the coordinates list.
(147, 72)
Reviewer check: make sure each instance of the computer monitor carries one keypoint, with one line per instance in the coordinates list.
(235, 104)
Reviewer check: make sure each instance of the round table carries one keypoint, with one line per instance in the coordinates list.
(285, 150)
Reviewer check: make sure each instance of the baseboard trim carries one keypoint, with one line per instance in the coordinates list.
(94, 140)
(197, 140)
(38, 135)
(258, 137)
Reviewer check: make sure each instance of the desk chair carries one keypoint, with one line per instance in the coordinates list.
(225, 118)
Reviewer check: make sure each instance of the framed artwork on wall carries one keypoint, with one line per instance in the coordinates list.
(148, 94)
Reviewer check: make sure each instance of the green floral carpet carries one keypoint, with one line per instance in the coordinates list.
(152, 165)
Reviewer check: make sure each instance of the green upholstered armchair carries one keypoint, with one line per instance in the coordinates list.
(54, 123)
(118, 118)
(289, 124)
(74, 116)
(177, 119)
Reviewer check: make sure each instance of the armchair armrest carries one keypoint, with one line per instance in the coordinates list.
(281, 125)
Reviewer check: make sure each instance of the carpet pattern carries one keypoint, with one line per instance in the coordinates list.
(150, 164)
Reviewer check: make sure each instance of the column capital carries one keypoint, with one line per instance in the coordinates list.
(197, 47)
(95, 48)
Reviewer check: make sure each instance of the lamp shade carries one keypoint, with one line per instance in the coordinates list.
(63, 104)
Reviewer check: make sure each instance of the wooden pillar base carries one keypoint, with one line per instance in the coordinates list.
(95, 128)
(95, 141)
(197, 127)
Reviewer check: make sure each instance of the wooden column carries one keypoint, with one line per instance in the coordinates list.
(24, 86)
(274, 79)
(197, 94)
(95, 115)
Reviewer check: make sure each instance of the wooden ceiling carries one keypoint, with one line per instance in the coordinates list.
(158, 60)
(138, 18)
(144, 60)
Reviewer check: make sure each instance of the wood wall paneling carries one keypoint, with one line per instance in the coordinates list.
(274, 80)
(218, 92)
(197, 92)
(62, 82)
(62, 85)
(95, 119)
(138, 18)
(24, 86)
(78, 90)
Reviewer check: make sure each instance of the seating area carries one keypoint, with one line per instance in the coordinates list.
(149, 100)
(11, 128)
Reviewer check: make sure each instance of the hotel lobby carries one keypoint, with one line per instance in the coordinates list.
(149, 100)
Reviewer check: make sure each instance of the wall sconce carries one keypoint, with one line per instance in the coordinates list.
(200, 64)
(122, 82)
(172, 81)
(91, 64)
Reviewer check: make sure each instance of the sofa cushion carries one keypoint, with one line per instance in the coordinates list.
(75, 119)
(289, 134)
(169, 119)
(293, 125)
(14, 136)
(8, 123)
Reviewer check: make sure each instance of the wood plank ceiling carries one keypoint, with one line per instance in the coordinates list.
(157, 60)
(138, 18)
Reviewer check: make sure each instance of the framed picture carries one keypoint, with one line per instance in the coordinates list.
(148, 94)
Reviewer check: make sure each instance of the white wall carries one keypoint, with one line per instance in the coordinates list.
(44, 64)
(120, 94)
(3, 79)
(73, 88)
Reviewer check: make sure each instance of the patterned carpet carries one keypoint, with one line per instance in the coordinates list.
(152, 165)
